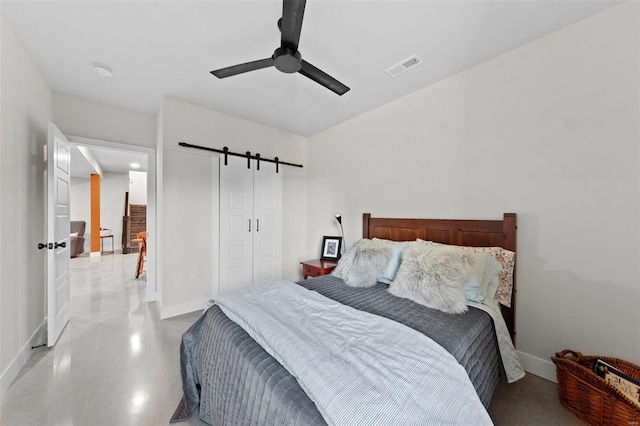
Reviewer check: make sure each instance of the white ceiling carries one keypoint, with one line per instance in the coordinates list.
(109, 160)
(167, 48)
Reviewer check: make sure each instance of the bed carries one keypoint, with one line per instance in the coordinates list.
(233, 380)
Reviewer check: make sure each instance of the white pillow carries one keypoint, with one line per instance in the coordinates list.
(433, 276)
(491, 279)
(365, 261)
(483, 279)
(506, 258)
(74, 234)
(473, 287)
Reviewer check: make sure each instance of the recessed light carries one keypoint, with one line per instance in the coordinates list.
(102, 70)
(135, 165)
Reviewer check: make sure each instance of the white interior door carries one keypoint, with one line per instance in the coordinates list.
(236, 227)
(58, 289)
(267, 212)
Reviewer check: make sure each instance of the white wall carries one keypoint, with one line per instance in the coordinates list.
(549, 131)
(112, 189)
(159, 204)
(188, 218)
(81, 117)
(138, 188)
(26, 108)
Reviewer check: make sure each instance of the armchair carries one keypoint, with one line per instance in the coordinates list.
(76, 240)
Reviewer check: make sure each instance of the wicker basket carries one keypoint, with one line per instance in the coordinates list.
(589, 396)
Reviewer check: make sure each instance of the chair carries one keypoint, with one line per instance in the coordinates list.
(142, 243)
(76, 239)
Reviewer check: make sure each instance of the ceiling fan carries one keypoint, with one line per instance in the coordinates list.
(287, 58)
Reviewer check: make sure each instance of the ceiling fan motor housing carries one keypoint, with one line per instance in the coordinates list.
(287, 60)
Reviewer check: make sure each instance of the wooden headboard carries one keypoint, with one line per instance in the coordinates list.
(461, 232)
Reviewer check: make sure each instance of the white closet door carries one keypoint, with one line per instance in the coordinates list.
(267, 212)
(236, 223)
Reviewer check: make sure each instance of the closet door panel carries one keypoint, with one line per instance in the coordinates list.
(267, 211)
(236, 227)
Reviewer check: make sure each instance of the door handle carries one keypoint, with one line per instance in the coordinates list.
(42, 246)
(62, 244)
(249, 225)
(258, 226)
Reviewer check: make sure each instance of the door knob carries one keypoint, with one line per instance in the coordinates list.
(62, 244)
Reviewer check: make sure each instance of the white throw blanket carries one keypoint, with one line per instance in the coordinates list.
(512, 367)
(358, 368)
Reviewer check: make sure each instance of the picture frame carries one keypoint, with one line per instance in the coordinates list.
(331, 248)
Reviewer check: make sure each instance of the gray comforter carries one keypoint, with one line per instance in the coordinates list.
(234, 381)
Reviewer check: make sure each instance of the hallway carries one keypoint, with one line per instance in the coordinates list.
(116, 362)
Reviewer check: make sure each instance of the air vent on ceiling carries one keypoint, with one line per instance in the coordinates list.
(404, 66)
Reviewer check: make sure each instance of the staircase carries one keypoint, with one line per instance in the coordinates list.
(134, 221)
(137, 220)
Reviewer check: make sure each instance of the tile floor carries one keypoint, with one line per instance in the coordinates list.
(117, 363)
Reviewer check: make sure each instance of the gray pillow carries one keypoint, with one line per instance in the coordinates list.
(433, 276)
(365, 261)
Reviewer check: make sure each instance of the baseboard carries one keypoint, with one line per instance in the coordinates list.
(538, 366)
(184, 308)
(11, 372)
(95, 254)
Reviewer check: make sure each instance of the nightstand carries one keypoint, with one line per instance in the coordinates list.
(317, 267)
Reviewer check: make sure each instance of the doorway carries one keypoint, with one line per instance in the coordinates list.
(115, 151)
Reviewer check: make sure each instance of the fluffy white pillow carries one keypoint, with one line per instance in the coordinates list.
(365, 261)
(506, 258)
(433, 276)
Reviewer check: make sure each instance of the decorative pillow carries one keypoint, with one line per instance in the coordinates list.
(365, 261)
(74, 234)
(394, 263)
(491, 279)
(433, 276)
(507, 261)
(473, 287)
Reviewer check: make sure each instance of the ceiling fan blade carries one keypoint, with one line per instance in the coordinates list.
(323, 78)
(291, 24)
(242, 68)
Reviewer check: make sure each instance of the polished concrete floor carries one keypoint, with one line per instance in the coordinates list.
(117, 363)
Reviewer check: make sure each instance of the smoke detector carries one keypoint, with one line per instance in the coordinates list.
(404, 66)
(102, 70)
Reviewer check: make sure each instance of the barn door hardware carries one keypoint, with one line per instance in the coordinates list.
(246, 155)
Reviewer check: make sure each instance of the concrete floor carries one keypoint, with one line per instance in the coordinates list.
(117, 363)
